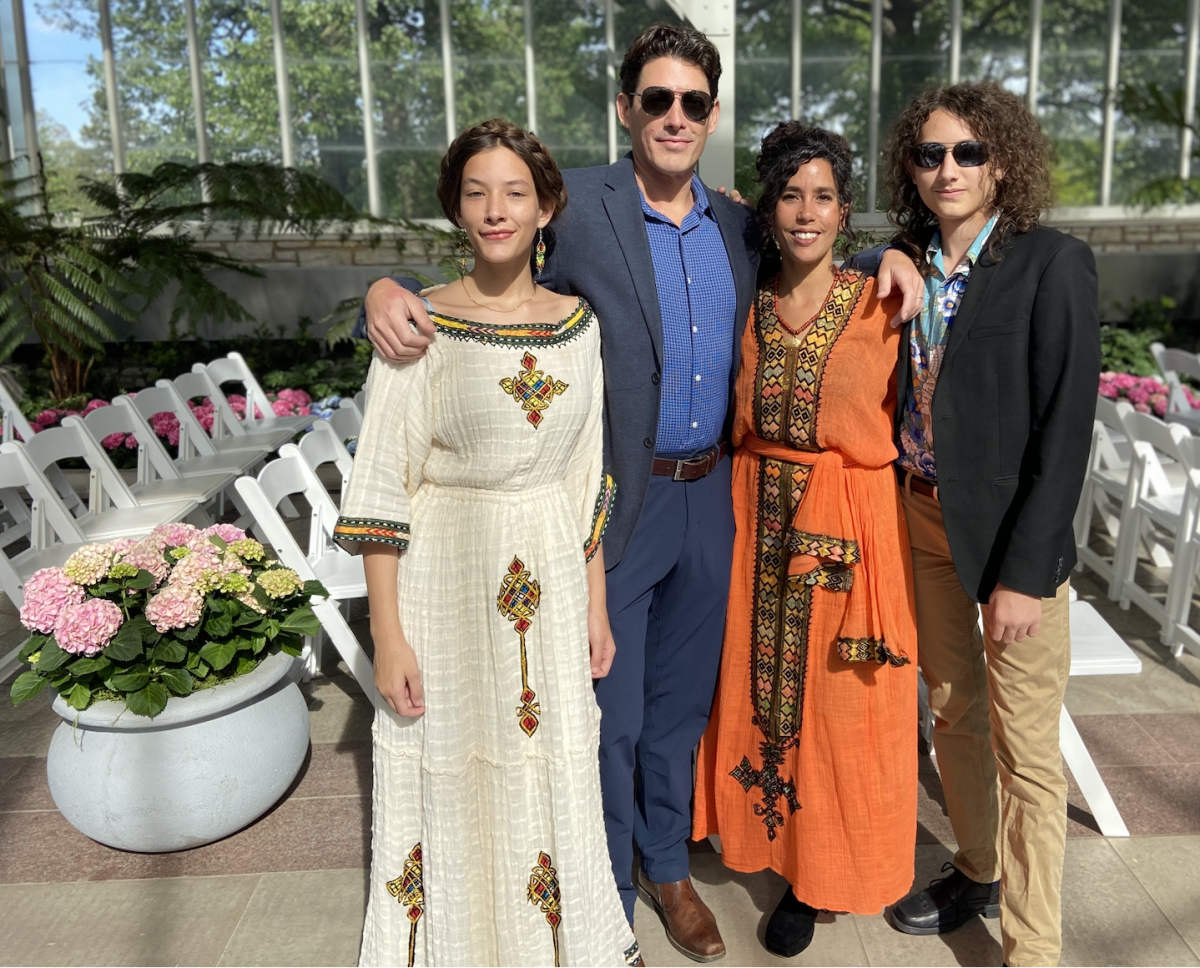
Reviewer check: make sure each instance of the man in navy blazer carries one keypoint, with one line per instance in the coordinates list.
(669, 266)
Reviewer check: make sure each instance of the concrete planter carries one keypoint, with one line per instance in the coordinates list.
(206, 766)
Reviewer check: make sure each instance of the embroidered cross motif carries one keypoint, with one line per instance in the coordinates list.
(531, 389)
(543, 892)
(517, 602)
(408, 889)
(772, 784)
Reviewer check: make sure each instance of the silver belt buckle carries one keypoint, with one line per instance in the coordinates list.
(700, 461)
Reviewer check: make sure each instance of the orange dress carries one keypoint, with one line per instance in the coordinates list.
(809, 763)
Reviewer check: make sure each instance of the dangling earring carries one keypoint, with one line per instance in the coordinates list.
(540, 259)
(462, 253)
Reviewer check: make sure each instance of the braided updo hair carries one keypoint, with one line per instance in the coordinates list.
(784, 151)
(498, 133)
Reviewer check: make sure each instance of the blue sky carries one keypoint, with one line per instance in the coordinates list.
(58, 59)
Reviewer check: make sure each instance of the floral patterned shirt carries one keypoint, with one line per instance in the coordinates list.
(927, 346)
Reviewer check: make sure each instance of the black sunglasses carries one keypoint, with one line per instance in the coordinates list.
(967, 154)
(657, 101)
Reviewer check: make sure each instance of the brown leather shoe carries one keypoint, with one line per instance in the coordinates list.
(690, 925)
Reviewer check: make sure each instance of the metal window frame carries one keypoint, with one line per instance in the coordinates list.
(797, 55)
(1191, 68)
(282, 90)
(876, 72)
(956, 28)
(1034, 62)
(111, 92)
(374, 194)
(448, 70)
(1112, 76)
(531, 109)
(610, 77)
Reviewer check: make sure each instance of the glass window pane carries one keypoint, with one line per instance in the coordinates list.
(68, 95)
(1152, 53)
(1071, 99)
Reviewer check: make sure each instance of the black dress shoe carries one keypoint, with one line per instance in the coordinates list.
(790, 929)
(947, 903)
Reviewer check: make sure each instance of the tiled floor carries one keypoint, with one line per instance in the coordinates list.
(290, 889)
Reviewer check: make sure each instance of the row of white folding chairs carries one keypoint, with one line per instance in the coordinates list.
(1138, 482)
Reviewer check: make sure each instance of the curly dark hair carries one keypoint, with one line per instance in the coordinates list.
(498, 133)
(670, 40)
(784, 151)
(1016, 146)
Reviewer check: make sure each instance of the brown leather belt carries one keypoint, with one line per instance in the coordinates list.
(693, 468)
(914, 484)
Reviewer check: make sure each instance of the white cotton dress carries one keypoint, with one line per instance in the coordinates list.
(483, 461)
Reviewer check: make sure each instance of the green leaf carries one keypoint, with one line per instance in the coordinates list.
(32, 644)
(219, 626)
(26, 686)
(217, 606)
(126, 645)
(245, 616)
(84, 666)
(188, 634)
(179, 681)
(202, 669)
(290, 642)
(314, 588)
(149, 701)
(271, 627)
(168, 650)
(246, 663)
(303, 621)
(98, 591)
(79, 697)
(218, 654)
(131, 681)
(52, 657)
(258, 643)
(143, 579)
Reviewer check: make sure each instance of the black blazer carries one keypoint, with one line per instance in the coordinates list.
(600, 251)
(1013, 411)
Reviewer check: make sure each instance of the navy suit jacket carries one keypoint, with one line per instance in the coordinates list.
(601, 252)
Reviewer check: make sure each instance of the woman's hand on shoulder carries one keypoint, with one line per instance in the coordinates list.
(398, 677)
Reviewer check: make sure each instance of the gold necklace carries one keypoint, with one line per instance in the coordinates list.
(493, 309)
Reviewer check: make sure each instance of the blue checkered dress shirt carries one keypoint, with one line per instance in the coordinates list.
(698, 305)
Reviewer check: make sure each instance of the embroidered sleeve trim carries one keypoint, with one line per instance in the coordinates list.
(600, 515)
(868, 650)
(372, 529)
(845, 550)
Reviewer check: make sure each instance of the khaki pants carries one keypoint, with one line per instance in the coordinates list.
(996, 739)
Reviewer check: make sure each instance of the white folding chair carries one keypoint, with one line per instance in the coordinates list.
(235, 462)
(324, 446)
(1154, 505)
(342, 576)
(360, 400)
(226, 424)
(346, 422)
(15, 423)
(1175, 364)
(107, 486)
(351, 403)
(194, 441)
(233, 369)
(1105, 484)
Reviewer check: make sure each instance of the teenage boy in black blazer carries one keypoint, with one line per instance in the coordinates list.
(997, 393)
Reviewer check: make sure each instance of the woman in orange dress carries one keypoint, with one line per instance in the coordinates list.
(809, 764)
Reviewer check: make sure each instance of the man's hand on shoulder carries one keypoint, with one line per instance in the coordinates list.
(397, 323)
(898, 274)
(735, 196)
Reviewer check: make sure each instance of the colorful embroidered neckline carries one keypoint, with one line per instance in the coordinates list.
(517, 334)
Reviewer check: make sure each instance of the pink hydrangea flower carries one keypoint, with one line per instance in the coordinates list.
(226, 532)
(1158, 403)
(48, 418)
(188, 571)
(1138, 395)
(175, 607)
(166, 424)
(295, 398)
(95, 405)
(113, 441)
(131, 442)
(1125, 380)
(176, 534)
(145, 554)
(88, 627)
(120, 546)
(47, 593)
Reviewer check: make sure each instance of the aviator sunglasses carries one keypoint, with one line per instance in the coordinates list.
(967, 154)
(657, 101)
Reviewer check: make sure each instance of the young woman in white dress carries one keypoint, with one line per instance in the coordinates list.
(478, 500)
